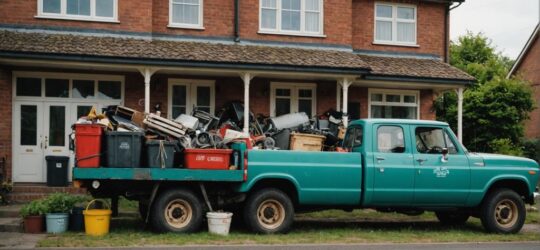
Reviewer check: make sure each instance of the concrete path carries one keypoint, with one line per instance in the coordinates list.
(19, 240)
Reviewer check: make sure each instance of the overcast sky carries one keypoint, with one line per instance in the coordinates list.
(508, 23)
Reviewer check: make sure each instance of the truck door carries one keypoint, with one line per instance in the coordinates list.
(393, 173)
(441, 180)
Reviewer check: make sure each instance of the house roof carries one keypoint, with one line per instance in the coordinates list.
(383, 67)
(534, 36)
(204, 54)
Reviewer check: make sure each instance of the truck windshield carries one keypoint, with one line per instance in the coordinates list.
(354, 137)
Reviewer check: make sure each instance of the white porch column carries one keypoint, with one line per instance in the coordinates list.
(460, 114)
(147, 74)
(246, 77)
(345, 83)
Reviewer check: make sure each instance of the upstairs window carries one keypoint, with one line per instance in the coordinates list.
(291, 17)
(395, 24)
(87, 10)
(186, 14)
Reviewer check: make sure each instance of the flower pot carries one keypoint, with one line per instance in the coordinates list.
(76, 219)
(57, 222)
(33, 224)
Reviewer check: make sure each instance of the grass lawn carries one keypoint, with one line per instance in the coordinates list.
(332, 226)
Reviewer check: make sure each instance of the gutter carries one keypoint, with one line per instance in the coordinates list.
(419, 79)
(185, 63)
(237, 20)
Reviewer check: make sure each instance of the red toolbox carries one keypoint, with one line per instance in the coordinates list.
(207, 158)
(88, 145)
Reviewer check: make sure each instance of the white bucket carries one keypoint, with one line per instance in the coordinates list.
(219, 222)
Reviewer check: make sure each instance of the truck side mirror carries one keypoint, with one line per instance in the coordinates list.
(444, 157)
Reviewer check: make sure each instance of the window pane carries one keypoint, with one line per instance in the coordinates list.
(395, 112)
(390, 139)
(57, 88)
(452, 149)
(283, 92)
(28, 87)
(393, 98)
(305, 106)
(78, 7)
(290, 4)
(376, 97)
(384, 11)
(305, 93)
(51, 6)
(312, 5)
(430, 140)
(186, 13)
(290, 20)
(179, 95)
(83, 89)
(203, 96)
(177, 111)
(268, 19)
(405, 13)
(109, 90)
(57, 125)
(410, 99)
(405, 32)
(83, 111)
(312, 22)
(383, 31)
(105, 8)
(283, 106)
(269, 3)
(28, 125)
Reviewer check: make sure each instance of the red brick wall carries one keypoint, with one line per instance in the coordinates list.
(529, 69)
(430, 27)
(426, 105)
(6, 121)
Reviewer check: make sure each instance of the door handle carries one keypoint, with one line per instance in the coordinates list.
(380, 158)
(46, 141)
(421, 161)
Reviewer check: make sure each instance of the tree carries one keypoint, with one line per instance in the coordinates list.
(495, 108)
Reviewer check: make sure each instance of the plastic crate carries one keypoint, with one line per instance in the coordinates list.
(207, 158)
(153, 151)
(88, 145)
(124, 149)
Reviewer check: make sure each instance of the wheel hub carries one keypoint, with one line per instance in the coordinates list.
(271, 214)
(178, 213)
(506, 213)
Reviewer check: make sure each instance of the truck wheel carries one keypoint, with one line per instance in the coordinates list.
(269, 211)
(177, 210)
(452, 218)
(503, 211)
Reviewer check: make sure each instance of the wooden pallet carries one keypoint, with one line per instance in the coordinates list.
(165, 126)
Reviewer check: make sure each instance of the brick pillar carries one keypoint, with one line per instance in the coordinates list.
(6, 118)
(426, 105)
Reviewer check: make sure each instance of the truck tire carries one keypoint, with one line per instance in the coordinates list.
(176, 210)
(503, 211)
(269, 211)
(452, 218)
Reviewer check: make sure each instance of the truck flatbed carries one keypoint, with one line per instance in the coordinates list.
(158, 174)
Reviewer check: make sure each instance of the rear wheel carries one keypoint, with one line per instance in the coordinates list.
(177, 210)
(503, 211)
(269, 211)
(452, 218)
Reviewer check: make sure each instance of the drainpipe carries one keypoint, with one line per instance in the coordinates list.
(447, 31)
(237, 20)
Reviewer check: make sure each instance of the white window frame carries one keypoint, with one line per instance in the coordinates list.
(402, 102)
(395, 21)
(302, 32)
(198, 26)
(70, 77)
(191, 92)
(63, 13)
(294, 87)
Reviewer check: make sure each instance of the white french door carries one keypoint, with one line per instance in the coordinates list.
(28, 142)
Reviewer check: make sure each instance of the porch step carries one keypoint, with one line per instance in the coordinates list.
(10, 211)
(23, 193)
(11, 225)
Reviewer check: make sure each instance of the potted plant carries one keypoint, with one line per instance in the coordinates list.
(58, 207)
(32, 214)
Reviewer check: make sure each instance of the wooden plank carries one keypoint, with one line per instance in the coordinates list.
(162, 129)
(164, 125)
(166, 121)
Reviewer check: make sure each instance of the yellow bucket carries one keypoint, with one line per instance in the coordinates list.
(96, 221)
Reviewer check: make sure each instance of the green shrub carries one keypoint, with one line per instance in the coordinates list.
(62, 202)
(35, 207)
(506, 147)
(531, 149)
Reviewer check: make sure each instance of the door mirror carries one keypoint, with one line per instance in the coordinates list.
(444, 157)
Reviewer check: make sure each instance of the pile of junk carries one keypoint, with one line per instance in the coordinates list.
(123, 137)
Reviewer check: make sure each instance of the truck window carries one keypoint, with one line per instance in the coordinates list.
(390, 139)
(432, 140)
(353, 138)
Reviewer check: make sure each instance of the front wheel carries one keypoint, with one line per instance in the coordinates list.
(177, 210)
(503, 211)
(269, 211)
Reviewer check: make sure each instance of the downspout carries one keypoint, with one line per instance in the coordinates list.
(237, 20)
(447, 31)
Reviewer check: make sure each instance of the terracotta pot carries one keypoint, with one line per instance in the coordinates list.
(34, 224)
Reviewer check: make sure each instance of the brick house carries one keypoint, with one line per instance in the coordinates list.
(527, 67)
(58, 58)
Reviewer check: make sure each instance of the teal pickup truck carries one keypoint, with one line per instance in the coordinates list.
(406, 166)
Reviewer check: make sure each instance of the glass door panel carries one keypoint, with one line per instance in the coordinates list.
(28, 142)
